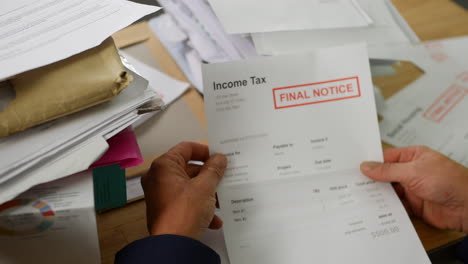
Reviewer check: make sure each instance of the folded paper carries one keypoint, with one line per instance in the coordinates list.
(123, 150)
(65, 87)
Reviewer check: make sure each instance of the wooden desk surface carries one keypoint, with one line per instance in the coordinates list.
(430, 19)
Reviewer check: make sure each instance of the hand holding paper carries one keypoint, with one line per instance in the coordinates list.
(180, 196)
(424, 179)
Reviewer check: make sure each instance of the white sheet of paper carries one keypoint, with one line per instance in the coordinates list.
(401, 52)
(244, 16)
(162, 26)
(195, 64)
(295, 129)
(35, 33)
(426, 54)
(388, 27)
(215, 240)
(200, 40)
(455, 49)
(235, 46)
(168, 88)
(56, 224)
(75, 160)
(134, 189)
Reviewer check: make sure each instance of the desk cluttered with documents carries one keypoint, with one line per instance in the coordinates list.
(296, 94)
(431, 20)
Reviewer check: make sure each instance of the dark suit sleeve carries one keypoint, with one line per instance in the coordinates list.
(462, 251)
(167, 249)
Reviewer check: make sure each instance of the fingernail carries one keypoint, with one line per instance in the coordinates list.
(219, 160)
(370, 165)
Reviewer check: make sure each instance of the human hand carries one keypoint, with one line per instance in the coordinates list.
(180, 197)
(430, 185)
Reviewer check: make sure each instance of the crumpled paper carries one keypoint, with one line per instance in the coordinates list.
(68, 86)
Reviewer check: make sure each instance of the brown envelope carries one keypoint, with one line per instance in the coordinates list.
(81, 81)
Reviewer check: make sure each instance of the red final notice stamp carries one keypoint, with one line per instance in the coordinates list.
(314, 93)
(445, 103)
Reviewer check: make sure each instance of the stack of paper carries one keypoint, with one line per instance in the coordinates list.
(35, 33)
(60, 215)
(67, 145)
(193, 35)
(47, 93)
(209, 31)
(168, 88)
(41, 32)
(428, 111)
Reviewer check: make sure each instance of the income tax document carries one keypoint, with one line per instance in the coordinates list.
(295, 129)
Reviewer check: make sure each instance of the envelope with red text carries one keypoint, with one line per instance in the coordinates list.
(432, 110)
(295, 129)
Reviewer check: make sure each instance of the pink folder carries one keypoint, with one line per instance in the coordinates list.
(123, 150)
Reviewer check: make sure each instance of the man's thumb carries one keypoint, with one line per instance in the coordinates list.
(211, 173)
(384, 172)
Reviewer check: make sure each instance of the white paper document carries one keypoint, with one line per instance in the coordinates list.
(35, 33)
(52, 223)
(134, 189)
(175, 41)
(388, 27)
(295, 129)
(192, 34)
(215, 240)
(429, 111)
(447, 52)
(244, 16)
(168, 88)
(72, 161)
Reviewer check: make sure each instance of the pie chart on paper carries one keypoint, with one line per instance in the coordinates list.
(23, 217)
